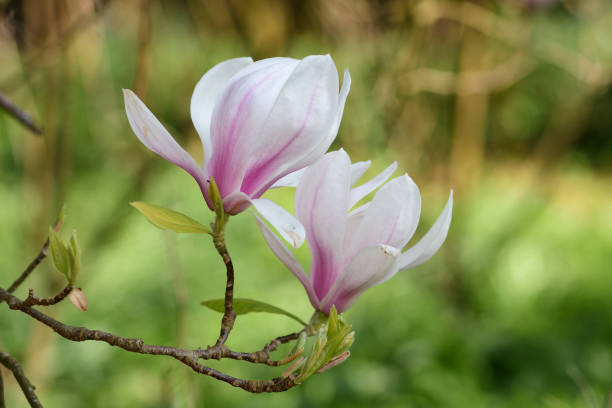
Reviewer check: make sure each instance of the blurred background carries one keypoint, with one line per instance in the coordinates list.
(508, 103)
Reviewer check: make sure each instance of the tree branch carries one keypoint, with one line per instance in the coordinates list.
(19, 114)
(28, 389)
(229, 316)
(32, 300)
(188, 357)
(42, 254)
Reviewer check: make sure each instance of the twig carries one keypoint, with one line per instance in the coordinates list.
(229, 316)
(38, 259)
(32, 300)
(28, 389)
(22, 117)
(263, 356)
(185, 356)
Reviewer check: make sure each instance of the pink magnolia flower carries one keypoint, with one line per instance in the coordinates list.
(355, 250)
(258, 121)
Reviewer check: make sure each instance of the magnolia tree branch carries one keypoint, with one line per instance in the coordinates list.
(28, 389)
(186, 356)
(42, 254)
(19, 114)
(229, 316)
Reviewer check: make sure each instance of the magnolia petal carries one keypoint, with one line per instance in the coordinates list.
(293, 179)
(206, 93)
(238, 116)
(423, 250)
(322, 147)
(298, 122)
(357, 170)
(235, 203)
(286, 224)
(390, 218)
(290, 180)
(369, 267)
(321, 202)
(156, 138)
(287, 258)
(357, 193)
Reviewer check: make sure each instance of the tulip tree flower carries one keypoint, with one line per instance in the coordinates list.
(258, 121)
(355, 250)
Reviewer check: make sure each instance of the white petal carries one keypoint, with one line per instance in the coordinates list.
(431, 242)
(155, 137)
(357, 170)
(287, 258)
(299, 121)
(286, 224)
(206, 93)
(290, 180)
(321, 203)
(357, 193)
(240, 112)
(322, 147)
(369, 267)
(293, 179)
(390, 219)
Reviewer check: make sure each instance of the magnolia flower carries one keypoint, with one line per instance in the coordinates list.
(353, 251)
(258, 121)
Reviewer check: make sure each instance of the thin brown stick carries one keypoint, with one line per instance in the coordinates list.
(188, 357)
(33, 300)
(26, 386)
(22, 116)
(42, 254)
(229, 315)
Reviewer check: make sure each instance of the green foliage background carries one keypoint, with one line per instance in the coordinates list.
(508, 104)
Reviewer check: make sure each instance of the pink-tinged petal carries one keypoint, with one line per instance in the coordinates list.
(239, 115)
(293, 179)
(155, 137)
(206, 93)
(286, 224)
(322, 147)
(353, 221)
(390, 219)
(357, 170)
(290, 180)
(369, 267)
(321, 203)
(357, 193)
(235, 203)
(299, 121)
(423, 250)
(287, 258)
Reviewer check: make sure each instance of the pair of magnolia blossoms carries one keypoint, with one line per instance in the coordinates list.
(268, 124)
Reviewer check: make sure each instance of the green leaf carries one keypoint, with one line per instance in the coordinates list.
(244, 306)
(168, 219)
(75, 257)
(59, 252)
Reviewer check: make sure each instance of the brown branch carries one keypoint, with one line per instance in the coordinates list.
(229, 315)
(188, 357)
(263, 356)
(32, 300)
(22, 116)
(38, 259)
(28, 389)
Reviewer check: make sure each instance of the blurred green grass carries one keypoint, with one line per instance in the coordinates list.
(514, 311)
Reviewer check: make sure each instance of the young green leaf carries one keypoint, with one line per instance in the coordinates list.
(60, 254)
(75, 257)
(165, 218)
(244, 306)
